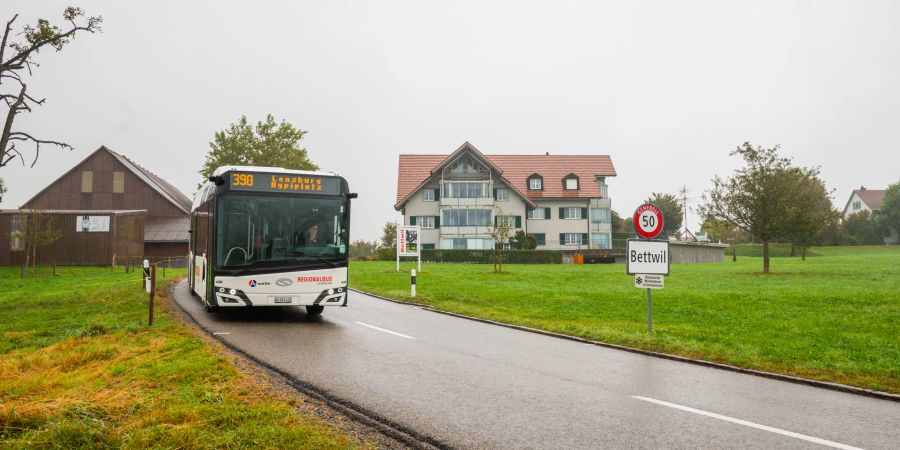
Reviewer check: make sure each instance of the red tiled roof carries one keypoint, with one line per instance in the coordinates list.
(873, 197)
(414, 170)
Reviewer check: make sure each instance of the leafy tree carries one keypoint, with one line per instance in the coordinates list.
(267, 143)
(832, 232)
(389, 235)
(628, 225)
(523, 241)
(760, 198)
(724, 231)
(810, 210)
(673, 213)
(889, 216)
(617, 224)
(861, 230)
(19, 62)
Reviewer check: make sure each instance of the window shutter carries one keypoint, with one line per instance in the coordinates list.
(412, 220)
(495, 221)
(562, 213)
(584, 239)
(518, 221)
(546, 213)
(437, 221)
(495, 194)
(562, 238)
(584, 213)
(437, 194)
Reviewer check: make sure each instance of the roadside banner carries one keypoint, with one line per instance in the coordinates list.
(408, 243)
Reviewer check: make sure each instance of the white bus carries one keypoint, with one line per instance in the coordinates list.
(267, 236)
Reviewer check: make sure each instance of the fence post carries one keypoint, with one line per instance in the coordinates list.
(152, 290)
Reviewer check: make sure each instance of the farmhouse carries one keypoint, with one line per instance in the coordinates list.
(869, 200)
(561, 200)
(105, 207)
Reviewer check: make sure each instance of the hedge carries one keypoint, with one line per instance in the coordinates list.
(481, 256)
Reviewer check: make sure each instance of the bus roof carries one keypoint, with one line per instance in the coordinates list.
(224, 169)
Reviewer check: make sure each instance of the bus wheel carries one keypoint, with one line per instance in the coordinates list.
(209, 308)
(314, 310)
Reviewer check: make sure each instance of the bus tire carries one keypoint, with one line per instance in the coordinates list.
(210, 308)
(314, 310)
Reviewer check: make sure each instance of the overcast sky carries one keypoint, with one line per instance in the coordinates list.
(667, 89)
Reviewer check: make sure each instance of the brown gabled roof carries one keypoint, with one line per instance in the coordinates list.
(414, 170)
(873, 197)
(165, 189)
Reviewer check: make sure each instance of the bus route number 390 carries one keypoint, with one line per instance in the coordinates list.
(242, 179)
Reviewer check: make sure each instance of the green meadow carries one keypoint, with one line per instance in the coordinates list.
(833, 317)
(80, 368)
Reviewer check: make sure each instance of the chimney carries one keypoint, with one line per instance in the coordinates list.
(862, 188)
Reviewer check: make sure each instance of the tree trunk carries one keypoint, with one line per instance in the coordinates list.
(803, 253)
(765, 245)
(734, 254)
(25, 261)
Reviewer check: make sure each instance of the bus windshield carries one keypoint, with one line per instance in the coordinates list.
(256, 231)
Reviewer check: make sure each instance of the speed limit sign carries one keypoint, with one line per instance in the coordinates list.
(648, 221)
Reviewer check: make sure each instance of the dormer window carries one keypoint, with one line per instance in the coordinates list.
(535, 183)
(570, 182)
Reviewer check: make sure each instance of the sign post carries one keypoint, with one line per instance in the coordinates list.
(408, 243)
(648, 259)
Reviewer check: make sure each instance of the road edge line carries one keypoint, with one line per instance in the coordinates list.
(351, 410)
(700, 362)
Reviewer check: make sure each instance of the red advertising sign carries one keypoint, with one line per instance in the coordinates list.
(648, 221)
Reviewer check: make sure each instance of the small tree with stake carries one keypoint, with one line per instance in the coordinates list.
(38, 229)
(17, 60)
(500, 232)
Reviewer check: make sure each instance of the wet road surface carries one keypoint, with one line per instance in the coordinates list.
(474, 385)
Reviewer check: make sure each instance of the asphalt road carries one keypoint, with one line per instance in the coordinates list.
(473, 385)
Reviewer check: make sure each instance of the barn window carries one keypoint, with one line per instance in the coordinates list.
(87, 182)
(118, 182)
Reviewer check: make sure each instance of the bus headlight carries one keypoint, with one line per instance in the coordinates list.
(232, 292)
(330, 291)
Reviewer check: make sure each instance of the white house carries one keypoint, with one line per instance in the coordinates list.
(561, 200)
(869, 200)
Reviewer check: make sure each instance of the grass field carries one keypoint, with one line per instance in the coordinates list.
(79, 367)
(835, 317)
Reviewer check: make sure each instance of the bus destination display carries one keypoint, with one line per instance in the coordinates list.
(274, 182)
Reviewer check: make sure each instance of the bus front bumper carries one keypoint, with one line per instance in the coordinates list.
(235, 297)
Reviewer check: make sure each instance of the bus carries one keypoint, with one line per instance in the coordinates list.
(268, 236)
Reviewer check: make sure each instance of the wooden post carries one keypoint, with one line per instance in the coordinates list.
(152, 290)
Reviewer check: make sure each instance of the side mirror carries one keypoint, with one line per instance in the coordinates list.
(352, 195)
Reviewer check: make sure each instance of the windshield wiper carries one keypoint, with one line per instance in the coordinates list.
(330, 263)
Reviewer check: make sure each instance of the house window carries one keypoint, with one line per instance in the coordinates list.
(428, 195)
(600, 215)
(571, 239)
(539, 213)
(535, 183)
(87, 182)
(600, 240)
(459, 244)
(572, 213)
(539, 238)
(471, 189)
(570, 182)
(856, 205)
(466, 217)
(502, 194)
(510, 221)
(118, 182)
(425, 221)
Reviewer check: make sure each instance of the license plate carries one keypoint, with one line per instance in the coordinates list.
(282, 299)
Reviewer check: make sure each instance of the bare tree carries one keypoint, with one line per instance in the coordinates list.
(501, 232)
(21, 61)
(37, 229)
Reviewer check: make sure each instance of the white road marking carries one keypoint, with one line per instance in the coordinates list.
(382, 329)
(221, 333)
(750, 424)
